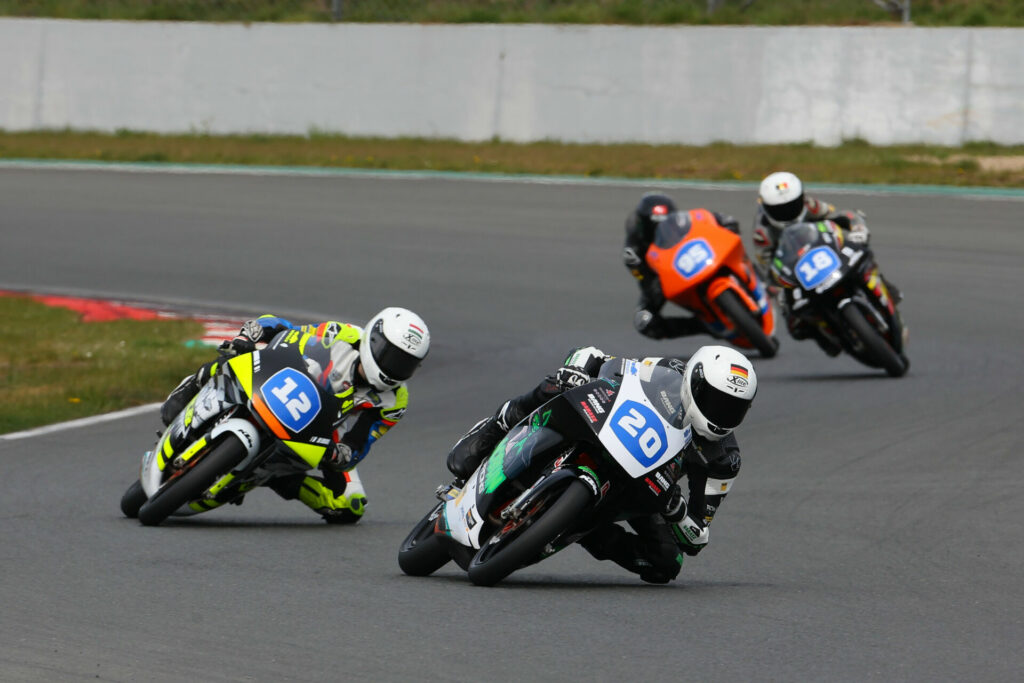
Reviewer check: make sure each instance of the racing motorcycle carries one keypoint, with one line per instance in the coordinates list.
(600, 452)
(834, 284)
(704, 269)
(266, 414)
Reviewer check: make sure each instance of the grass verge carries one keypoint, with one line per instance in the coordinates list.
(743, 12)
(53, 367)
(978, 164)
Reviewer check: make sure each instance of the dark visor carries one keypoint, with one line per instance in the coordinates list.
(393, 361)
(720, 409)
(786, 212)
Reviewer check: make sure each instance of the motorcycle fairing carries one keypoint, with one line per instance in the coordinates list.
(636, 433)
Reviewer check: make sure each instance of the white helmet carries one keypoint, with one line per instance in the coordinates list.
(393, 344)
(718, 387)
(782, 196)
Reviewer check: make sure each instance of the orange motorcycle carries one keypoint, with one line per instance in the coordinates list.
(704, 269)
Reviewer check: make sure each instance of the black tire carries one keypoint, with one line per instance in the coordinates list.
(503, 554)
(423, 552)
(746, 323)
(190, 485)
(876, 349)
(132, 500)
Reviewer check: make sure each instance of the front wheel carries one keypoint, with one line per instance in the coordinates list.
(747, 325)
(873, 344)
(133, 499)
(423, 552)
(516, 546)
(192, 483)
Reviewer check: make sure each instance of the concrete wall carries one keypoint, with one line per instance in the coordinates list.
(522, 83)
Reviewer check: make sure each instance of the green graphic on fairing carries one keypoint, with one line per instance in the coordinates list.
(504, 451)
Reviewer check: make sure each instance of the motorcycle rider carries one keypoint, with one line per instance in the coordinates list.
(370, 367)
(719, 385)
(781, 202)
(641, 225)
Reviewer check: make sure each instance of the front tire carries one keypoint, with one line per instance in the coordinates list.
(423, 552)
(874, 345)
(133, 499)
(191, 484)
(506, 552)
(747, 325)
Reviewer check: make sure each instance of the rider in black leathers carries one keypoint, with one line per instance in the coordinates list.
(654, 551)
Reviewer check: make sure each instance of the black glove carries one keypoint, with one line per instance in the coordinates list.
(675, 508)
(568, 378)
(338, 458)
(236, 346)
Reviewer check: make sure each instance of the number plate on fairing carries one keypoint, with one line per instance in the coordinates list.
(635, 434)
(815, 266)
(292, 398)
(693, 257)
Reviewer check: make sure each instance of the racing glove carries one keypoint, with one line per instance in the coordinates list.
(631, 258)
(675, 508)
(338, 458)
(695, 536)
(236, 346)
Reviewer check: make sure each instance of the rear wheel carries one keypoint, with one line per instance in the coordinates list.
(745, 322)
(192, 483)
(874, 346)
(133, 499)
(512, 548)
(423, 552)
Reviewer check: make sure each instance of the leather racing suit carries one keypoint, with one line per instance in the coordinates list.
(655, 551)
(336, 493)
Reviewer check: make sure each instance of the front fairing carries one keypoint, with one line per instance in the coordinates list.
(814, 258)
(288, 388)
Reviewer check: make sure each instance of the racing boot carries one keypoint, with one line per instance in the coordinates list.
(178, 399)
(186, 389)
(654, 562)
(478, 443)
(338, 497)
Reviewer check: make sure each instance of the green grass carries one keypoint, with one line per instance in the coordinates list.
(636, 12)
(54, 367)
(852, 162)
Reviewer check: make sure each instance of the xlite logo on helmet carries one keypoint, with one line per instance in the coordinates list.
(413, 336)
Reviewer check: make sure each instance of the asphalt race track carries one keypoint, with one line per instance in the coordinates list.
(876, 530)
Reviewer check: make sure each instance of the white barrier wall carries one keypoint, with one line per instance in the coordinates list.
(572, 83)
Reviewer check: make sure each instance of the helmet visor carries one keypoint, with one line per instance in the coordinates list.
(722, 410)
(790, 211)
(393, 361)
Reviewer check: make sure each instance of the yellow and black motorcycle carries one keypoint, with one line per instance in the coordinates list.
(266, 414)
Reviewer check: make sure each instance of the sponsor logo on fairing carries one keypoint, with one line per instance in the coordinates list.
(594, 404)
(654, 487)
(589, 412)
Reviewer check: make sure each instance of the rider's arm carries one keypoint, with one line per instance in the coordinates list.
(711, 468)
(369, 426)
(635, 249)
(264, 328)
(727, 221)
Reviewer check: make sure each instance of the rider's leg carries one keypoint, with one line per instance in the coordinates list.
(338, 497)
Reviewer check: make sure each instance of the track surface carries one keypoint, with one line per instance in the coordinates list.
(875, 531)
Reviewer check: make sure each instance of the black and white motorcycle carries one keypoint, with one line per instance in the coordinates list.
(603, 451)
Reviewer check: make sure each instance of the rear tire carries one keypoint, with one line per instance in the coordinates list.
(503, 554)
(423, 552)
(133, 499)
(190, 485)
(746, 323)
(875, 346)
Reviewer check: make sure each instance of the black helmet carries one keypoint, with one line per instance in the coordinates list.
(653, 209)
